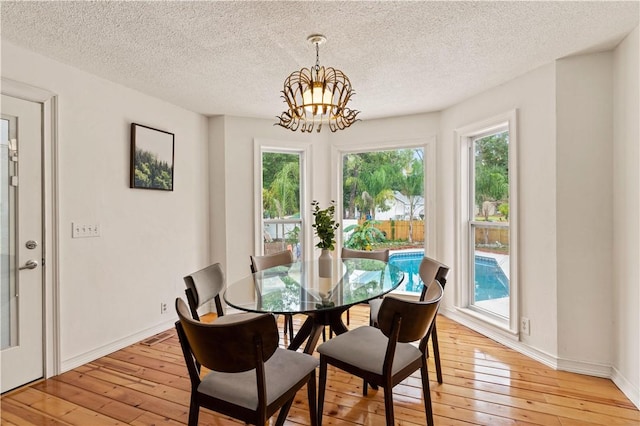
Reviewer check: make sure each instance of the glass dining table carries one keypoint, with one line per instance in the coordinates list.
(319, 290)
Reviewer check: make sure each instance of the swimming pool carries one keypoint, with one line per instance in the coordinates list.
(491, 282)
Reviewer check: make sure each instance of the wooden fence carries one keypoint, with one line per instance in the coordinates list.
(399, 229)
(492, 236)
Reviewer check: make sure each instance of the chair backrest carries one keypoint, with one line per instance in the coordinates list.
(434, 291)
(229, 347)
(430, 270)
(382, 255)
(416, 317)
(258, 263)
(203, 286)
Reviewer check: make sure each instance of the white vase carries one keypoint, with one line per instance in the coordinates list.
(325, 263)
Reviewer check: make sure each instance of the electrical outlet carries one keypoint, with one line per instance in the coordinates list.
(525, 326)
(163, 308)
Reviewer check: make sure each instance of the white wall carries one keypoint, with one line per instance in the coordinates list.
(111, 287)
(626, 217)
(533, 95)
(217, 190)
(584, 137)
(232, 195)
(385, 131)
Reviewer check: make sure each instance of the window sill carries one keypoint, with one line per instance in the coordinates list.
(483, 324)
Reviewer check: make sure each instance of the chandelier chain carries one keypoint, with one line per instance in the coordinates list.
(317, 56)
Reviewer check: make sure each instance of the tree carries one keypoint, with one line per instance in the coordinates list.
(492, 170)
(285, 188)
(369, 180)
(351, 183)
(411, 185)
(150, 172)
(493, 151)
(280, 185)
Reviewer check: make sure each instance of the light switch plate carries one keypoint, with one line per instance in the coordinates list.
(83, 230)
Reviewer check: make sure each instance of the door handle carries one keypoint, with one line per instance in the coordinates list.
(31, 264)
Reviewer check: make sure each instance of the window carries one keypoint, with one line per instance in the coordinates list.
(488, 285)
(279, 199)
(385, 204)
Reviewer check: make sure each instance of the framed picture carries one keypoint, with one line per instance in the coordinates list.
(151, 158)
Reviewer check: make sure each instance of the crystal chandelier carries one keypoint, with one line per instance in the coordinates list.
(317, 95)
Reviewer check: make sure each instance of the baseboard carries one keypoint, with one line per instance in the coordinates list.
(572, 366)
(588, 368)
(632, 392)
(508, 341)
(71, 363)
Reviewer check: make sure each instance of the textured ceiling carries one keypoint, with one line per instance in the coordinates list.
(232, 57)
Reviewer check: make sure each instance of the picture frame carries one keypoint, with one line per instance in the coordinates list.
(152, 158)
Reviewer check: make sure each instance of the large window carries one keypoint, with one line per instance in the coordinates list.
(383, 206)
(489, 223)
(281, 199)
(488, 212)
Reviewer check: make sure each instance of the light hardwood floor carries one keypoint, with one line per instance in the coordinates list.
(484, 383)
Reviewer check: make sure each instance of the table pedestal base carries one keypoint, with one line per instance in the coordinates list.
(314, 324)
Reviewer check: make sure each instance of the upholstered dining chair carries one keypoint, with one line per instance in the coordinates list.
(347, 253)
(430, 270)
(204, 286)
(250, 377)
(258, 263)
(384, 356)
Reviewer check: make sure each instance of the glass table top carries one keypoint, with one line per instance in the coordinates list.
(309, 286)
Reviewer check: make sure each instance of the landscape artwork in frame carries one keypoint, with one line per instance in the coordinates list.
(151, 158)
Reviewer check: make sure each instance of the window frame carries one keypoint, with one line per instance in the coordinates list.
(285, 147)
(465, 255)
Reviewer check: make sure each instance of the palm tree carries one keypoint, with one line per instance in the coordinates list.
(285, 189)
(352, 183)
(411, 185)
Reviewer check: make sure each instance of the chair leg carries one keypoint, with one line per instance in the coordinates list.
(426, 392)
(288, 324)
(194, 410)
(311, 393)
(436, 351)
(347, 316)
(366, 385)
(321, 387)
(388, 404)
(284, 411)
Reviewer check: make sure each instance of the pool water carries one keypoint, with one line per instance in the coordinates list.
(491, 282)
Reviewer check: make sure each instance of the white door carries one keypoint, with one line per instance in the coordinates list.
(21, 269)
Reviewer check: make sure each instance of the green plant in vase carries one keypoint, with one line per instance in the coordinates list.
(325, 225)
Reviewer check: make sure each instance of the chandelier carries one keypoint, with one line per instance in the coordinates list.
(317, 95)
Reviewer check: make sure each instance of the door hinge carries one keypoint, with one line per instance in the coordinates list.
(14, 181)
